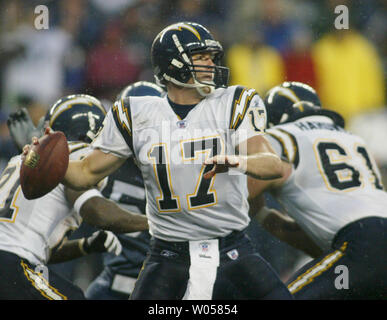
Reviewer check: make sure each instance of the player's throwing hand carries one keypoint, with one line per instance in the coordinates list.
(221, 164)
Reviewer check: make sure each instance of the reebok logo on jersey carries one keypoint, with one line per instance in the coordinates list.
(169, 254)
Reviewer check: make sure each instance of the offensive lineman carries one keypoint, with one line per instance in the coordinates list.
(34, 232)
(333, 191)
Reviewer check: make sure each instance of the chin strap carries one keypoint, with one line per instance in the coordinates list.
(203, 89)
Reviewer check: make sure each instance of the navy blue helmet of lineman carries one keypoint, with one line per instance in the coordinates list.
(141, 88)
(171, 56)
(78, 116)
(292, 100)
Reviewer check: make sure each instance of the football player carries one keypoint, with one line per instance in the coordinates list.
(181, 143)
(126, 187)
(333, 194)
(34, 233)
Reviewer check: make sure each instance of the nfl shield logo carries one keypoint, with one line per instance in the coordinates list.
(181, 124)
(233, 254)
(204, 246)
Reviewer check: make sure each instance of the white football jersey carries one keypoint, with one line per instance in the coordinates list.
(31, 228)
(181, 204)
(335, 179)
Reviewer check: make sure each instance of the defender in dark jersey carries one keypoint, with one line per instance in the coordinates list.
(126, 187)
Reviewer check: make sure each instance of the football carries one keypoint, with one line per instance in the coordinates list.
(45, 165)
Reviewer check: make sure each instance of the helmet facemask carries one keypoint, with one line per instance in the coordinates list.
(219, 74)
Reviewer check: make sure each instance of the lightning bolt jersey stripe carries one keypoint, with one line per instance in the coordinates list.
(122, 117)
(288, 143)
(241, 103)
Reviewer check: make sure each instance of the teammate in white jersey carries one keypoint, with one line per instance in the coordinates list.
(181, 143)
(34, 233)
(332, 189)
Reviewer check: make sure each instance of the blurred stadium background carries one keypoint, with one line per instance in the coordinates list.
(98, 47)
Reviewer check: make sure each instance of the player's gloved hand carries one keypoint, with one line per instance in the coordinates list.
(22, 129)
(102, 241)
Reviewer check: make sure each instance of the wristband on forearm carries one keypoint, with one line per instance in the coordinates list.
(84, 197)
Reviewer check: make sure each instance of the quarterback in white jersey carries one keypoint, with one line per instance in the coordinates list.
(333, 190)
(182, 143)
(182, 205)
(34, 233)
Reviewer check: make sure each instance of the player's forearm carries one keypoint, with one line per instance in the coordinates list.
(106, 214)
(78, 177)
(86, 173)
(264, 166)
(69, 250)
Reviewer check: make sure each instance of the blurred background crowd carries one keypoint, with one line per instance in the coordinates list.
(98, 47)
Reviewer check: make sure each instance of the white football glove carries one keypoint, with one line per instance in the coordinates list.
(102, 241)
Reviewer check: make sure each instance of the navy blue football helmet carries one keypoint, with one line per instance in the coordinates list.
(141, 88)
(290, 101)
(279, 100)
(171, 56)
(78, 116)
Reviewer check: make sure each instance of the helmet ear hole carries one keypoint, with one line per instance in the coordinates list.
(182, 72)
